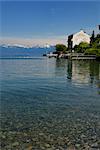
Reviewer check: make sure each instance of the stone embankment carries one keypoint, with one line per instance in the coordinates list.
(73, 56)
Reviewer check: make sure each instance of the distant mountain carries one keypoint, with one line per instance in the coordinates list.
(13, 46)
(7, 51)
(24, 46)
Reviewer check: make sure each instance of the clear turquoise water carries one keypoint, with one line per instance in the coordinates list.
(49, 104)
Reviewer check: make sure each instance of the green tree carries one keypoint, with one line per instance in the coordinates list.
(61, 48)
(81, 48)
(93, 51)
(92, 38)
(94, 47)
(96, 43)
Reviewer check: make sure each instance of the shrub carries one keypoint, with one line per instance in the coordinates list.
(93, 51)
(81, 48)
(61, 48)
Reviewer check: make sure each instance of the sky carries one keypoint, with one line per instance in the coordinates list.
(34, 22)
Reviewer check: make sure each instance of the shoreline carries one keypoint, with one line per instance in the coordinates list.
(73, 56)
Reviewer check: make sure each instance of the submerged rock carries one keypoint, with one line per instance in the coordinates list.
(15, 144)
(47, 145)
(95, 145)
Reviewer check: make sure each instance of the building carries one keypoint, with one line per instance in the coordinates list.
(77, 38)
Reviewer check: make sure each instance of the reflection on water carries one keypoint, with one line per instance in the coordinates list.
(79, 72)
(69, 70)
(49, 104)
(94, 68)
(83, 71)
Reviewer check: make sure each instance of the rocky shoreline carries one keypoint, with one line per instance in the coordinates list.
(57, 133)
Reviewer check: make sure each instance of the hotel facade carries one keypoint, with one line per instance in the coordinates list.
(77, 38)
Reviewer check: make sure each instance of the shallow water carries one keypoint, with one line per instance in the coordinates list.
(50, 104)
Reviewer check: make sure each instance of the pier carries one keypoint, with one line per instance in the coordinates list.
(73, 56)
(82, 57)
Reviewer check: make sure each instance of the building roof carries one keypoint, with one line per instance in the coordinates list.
(81, 31)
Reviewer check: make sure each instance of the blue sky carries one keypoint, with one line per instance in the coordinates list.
(46, 20)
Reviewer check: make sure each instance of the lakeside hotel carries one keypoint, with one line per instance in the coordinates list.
(81, 36)
(77, 38)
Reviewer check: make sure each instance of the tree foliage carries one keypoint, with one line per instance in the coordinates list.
(92, 37)
(96, 43)
(61, 48)
(81, 47)
(92, 49)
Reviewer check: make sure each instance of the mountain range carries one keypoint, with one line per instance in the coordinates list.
(7, 50)
(24, 46)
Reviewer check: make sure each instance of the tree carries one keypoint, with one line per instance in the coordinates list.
(92, 38)
(81, 47)
(96, 42)
(93, 51)
(61, 48)
(95, 47)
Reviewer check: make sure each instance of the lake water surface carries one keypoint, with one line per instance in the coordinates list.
(49, 104)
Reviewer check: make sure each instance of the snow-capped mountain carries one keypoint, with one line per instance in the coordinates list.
(25, 46)
(13, 45)
(13, 51)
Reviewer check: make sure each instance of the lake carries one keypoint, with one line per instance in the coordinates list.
(50, 104)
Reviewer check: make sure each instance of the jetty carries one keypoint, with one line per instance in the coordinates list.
(51, 55)
(72, 56)
(82, 57)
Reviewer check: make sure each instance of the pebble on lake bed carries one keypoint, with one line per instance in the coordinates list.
(15, 144)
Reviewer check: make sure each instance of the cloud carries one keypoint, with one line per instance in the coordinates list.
(35, 41)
